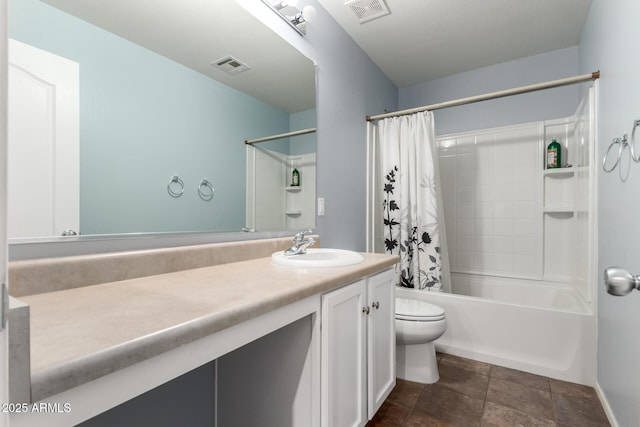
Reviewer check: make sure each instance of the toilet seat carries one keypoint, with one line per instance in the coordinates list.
(418, 310)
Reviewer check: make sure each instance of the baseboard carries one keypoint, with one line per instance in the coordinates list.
(605, 405)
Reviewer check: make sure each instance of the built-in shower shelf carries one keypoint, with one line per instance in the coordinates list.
(565, 171)
(293, 188)
(560, 171)
(559, 209)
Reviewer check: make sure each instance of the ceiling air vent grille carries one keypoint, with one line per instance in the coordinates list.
(230, 65)
(366, 10)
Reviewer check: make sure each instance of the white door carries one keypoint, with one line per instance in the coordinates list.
(4, 360)
(381, 339)
(343, 378)
(43, 174)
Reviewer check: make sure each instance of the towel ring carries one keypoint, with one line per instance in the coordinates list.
(632, 144)
(622, 143)
(205, 190)
(176, 190)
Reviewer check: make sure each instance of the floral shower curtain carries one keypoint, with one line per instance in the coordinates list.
(411, 199)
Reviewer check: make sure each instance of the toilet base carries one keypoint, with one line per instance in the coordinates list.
(417, 363)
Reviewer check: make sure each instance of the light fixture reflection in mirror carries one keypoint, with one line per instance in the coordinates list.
(288, 10)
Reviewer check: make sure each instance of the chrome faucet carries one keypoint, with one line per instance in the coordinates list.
(300, 244)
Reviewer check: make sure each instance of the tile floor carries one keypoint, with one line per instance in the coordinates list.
(472, 393)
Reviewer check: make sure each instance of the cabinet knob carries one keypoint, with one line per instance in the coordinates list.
(365, 309)
(376, 305)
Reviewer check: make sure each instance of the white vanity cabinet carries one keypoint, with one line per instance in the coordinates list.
(358, 350)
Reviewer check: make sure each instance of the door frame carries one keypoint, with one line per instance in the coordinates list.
(4, 345)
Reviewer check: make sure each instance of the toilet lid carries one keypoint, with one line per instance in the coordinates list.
(414, 309)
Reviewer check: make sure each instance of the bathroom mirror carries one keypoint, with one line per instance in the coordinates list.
(168, 93)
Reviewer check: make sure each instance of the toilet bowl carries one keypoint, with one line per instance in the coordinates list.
(418, 325)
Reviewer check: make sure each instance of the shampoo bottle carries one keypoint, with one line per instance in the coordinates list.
(554, 155)
(295, 178)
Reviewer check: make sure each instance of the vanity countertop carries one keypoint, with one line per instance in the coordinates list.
(81, 334)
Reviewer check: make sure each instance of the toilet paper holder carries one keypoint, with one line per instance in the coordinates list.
(619, 282)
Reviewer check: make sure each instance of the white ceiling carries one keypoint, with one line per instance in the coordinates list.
(422, 40)
(419, 41)
(195, 33)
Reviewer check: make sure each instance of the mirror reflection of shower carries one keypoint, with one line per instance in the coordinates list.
(281, 182)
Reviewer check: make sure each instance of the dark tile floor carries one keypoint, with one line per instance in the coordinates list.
(472, 393)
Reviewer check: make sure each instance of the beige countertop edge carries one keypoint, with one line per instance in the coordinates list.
(53, 379)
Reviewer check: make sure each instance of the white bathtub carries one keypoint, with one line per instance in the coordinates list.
(542, 328)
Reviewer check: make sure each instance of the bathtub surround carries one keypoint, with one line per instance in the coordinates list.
(406, 173)
(509, 216)
(492, 200)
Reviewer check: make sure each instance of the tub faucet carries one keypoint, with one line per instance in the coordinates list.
(300, 244)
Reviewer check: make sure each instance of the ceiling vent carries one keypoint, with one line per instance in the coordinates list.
(366, 10)
(230, 65)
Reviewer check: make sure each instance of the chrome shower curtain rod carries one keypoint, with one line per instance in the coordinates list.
(282, 135)
(492, 95)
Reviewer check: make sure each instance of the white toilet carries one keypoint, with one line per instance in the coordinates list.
(418, 325)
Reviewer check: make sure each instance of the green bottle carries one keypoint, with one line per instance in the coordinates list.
(554, 155)
(295, 178)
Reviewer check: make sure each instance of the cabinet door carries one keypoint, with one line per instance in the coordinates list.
(381, 340)
(343, 378)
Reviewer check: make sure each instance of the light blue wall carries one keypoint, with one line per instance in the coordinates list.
(609, 42)
(535, 106)
(145, 118)
(302, 144)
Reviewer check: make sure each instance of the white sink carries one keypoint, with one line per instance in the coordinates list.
(320, 257)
